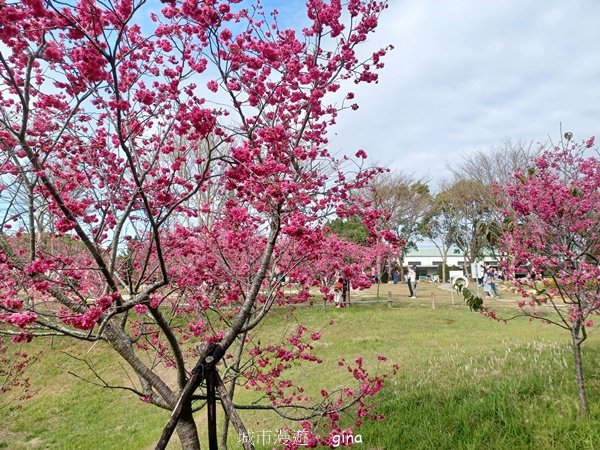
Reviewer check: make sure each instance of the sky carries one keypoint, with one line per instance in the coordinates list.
(467, 75)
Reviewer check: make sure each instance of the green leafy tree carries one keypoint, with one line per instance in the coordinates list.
(469, 216)
(351, 229)
(406, 201)
(440, 226)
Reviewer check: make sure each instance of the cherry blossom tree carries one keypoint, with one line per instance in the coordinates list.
(120, 124)
(349, 260)
(551, 227)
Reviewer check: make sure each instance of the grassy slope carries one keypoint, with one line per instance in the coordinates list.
(464, 382)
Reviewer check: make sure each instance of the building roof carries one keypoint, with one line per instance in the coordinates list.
(429, 251)
(425, 250)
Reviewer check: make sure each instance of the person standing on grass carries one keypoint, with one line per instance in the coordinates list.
(487, 283)
(375, 275)
(338, 289)
(411, 281)
(493, 277)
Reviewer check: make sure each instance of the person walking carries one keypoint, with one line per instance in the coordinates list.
(411, 281)
(493, 277)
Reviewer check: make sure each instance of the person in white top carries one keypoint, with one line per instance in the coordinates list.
(411, 280)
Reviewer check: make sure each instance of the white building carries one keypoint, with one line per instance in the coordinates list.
(428, 259)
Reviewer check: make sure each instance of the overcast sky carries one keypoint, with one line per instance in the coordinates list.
(466, 75)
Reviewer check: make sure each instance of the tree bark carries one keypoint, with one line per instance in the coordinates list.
(584, 410)
(121, 343)
(185, 398)
(186, 429)
(401, 264)
(231, 412)
(231, 392)
(224, 433)
(444, 270)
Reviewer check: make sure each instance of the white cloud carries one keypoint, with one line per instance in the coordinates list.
(466, 75)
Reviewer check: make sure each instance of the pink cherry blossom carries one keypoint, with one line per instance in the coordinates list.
(163, 179)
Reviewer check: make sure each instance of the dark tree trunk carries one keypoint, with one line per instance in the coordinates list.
(232, 414)
(584, 410)
(224, 433)
(187, 431)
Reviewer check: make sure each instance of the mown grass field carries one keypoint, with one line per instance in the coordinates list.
(465, 382)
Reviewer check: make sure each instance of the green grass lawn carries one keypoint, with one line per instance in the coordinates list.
(465, 382)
